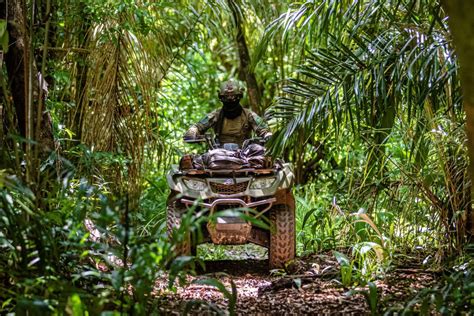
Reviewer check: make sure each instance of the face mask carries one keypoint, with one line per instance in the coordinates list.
(232, 109)
(230, 98)
(231, 105)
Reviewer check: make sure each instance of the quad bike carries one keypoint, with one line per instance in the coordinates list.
(262, 191)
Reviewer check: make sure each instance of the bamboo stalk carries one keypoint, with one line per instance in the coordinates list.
(39, 114)
(29, 93)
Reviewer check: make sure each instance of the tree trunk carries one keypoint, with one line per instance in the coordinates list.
(82, 69)
(15, 60)
(28, 92)
(461, 23)
(244, 56)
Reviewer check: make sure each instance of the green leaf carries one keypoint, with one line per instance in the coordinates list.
(7, 302)
(4, 38)
(75, 306)
(3, 27)
(373, 297)
(341, 258)
(297, 283)
(215, 283)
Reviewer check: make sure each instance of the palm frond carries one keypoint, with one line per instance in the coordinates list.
(368, 77)
(131, 51)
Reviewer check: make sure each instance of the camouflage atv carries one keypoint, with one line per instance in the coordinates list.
(259, 191)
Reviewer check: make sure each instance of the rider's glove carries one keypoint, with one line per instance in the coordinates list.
(191, 133)
(267, 136)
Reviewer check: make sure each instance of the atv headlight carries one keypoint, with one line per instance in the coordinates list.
(262, 183)
(195, 185)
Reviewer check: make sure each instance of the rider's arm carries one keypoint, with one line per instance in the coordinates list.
(203, 125)
(259, 126)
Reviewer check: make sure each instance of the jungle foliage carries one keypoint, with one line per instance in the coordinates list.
(363, 97)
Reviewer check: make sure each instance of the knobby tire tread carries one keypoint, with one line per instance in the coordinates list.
(173, 221)
(282, 236)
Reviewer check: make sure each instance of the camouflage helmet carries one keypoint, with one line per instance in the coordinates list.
(231, 90)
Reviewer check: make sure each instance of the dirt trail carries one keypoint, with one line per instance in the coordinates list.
(310, 289)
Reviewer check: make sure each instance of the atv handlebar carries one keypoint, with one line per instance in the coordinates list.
(207, 138)
(192, 140)
(255, 140)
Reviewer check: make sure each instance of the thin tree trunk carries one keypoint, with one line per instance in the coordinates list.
(461, 23)
(23, 79)
(244, 56)
(15, 61)
(82, 68)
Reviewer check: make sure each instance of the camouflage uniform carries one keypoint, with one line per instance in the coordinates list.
(233, 130)
(231, 123)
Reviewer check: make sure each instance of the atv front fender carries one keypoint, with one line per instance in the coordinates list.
(285, 196)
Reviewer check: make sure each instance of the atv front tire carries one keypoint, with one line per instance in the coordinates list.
(282, 246)
(173, 222)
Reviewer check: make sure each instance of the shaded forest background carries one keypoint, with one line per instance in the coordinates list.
(363, 97)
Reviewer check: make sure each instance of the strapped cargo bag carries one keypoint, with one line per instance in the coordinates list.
(255, 156)
(224, 159)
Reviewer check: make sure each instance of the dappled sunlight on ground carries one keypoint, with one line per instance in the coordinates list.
(240, 252)
(309, 287)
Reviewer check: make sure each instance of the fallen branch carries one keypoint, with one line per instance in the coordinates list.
(288, 281)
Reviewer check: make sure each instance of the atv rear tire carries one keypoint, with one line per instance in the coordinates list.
(173, 222)
(282, 246)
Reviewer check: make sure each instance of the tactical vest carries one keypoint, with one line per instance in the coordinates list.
(233, 130)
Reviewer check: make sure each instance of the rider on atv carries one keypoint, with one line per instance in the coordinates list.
(235, 175)
(232, 123)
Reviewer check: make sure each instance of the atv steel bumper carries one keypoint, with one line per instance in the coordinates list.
(231, 230)
(232, 201)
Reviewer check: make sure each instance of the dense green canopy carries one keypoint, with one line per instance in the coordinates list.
(363, 97)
